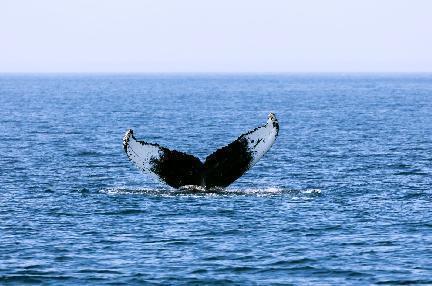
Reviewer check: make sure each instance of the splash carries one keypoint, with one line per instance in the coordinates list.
(202, 192)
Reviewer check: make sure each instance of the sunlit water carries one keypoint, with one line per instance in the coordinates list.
(343, 197)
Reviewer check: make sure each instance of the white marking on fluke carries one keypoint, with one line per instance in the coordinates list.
(262, 138)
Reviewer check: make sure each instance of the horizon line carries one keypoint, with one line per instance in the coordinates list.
(211, 72)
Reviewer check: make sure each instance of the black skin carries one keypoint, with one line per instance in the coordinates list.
(219, 170)
(227, 164)
(178, 169)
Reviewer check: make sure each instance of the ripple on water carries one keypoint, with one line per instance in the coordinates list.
(342, 198)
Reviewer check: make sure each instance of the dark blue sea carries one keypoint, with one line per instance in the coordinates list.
(343, 197)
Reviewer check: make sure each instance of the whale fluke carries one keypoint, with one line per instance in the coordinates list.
(220, 169)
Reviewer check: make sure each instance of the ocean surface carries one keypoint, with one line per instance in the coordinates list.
(344, 196)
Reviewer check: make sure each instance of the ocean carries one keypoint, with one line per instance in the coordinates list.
(343, 197)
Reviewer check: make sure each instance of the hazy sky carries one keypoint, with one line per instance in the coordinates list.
(215, 36)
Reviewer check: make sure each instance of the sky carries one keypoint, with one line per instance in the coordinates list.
(215, 36)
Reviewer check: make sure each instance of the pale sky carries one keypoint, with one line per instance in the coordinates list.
(215, 36)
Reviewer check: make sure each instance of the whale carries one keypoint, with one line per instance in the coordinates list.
(220, 169)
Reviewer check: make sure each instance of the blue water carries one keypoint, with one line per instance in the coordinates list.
(343, 197)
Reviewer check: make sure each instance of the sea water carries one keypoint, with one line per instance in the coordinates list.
(344, 195)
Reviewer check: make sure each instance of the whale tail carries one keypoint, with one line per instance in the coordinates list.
(219, 170)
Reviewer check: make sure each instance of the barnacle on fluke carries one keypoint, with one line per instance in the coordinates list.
(220, 169)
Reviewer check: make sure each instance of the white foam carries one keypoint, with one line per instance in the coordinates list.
(311, 191)
(193, 191)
